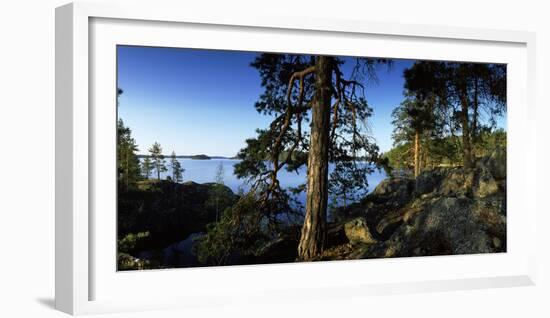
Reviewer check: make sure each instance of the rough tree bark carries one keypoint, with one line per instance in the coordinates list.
(313, 235)
(466, 144)
(416, 154)
(475, 115)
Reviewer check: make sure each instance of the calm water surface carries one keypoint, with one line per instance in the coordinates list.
(203, 171)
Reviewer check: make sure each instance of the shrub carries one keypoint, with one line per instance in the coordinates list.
(238, 233)
(132, 242)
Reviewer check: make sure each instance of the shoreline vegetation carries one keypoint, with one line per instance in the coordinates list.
(445, 191)
(444, 211)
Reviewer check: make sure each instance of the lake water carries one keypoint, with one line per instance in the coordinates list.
(179, 254)
(204, 171)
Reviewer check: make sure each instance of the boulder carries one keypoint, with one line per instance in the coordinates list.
(445, 211)
(486, 184)
(496, 163)
(127, 262)
(283, 249)
(394, 191)
(458, 182)
(450, 225)
(390, 195)
(428, 181)
(358, 232)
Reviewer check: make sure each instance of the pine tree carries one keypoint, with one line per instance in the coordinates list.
(158, 159)
(177, 170)
(417, 119)
(220, 173)
(127, 160)
(415, 124)
(476, 88)
(298, 89)
(455, 97)
(346, 185)
(147, 167)
(219, 187)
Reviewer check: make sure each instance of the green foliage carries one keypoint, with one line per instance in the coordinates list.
(289, 89)
(147, 167)
(477, 92)
(414, 115)
(158, 159)
(169, 211)
(487, 142)
(127, 161)
(219, 196)
(239, 232)
(177, 170)
(440, 152)
(132, 242)
(348, 182)
(254, 155)
(220, 174)
(400, 158)
(443, 100)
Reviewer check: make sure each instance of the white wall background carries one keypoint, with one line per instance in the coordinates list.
(27, 159)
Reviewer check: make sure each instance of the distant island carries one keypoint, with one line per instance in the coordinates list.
(194, 157)
(311, 182)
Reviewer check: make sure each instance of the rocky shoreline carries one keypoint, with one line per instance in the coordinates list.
(444, 211)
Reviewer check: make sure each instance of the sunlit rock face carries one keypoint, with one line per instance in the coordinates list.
(444, 211)
(358, 232)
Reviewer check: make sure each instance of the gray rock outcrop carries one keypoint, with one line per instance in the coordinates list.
(443, 211)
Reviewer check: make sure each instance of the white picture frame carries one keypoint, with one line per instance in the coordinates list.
(85, 32)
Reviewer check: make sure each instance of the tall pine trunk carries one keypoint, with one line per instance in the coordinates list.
(313, 235)
(466, 143)
(416, 154)
(475, 105)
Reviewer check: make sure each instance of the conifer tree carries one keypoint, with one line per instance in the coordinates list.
(147, 167)
(177, 170)
(218, 193)
(463, 97)
(157, 159)
(128, 163)
(302, 89)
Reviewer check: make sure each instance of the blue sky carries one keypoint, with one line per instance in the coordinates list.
(202, 101)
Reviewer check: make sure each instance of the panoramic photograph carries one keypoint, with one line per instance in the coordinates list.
(244, 158)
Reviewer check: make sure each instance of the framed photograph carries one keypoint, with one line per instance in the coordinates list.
(269, 157)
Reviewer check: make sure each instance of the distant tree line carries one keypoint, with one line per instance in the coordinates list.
(131, 170)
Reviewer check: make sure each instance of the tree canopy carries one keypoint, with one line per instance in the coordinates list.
(157, 158)
(444, 100)
(301, 90)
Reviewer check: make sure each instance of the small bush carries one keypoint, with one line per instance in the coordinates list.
(238, 233)
(132, 242)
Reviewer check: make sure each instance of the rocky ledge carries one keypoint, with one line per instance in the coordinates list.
(443, 211)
